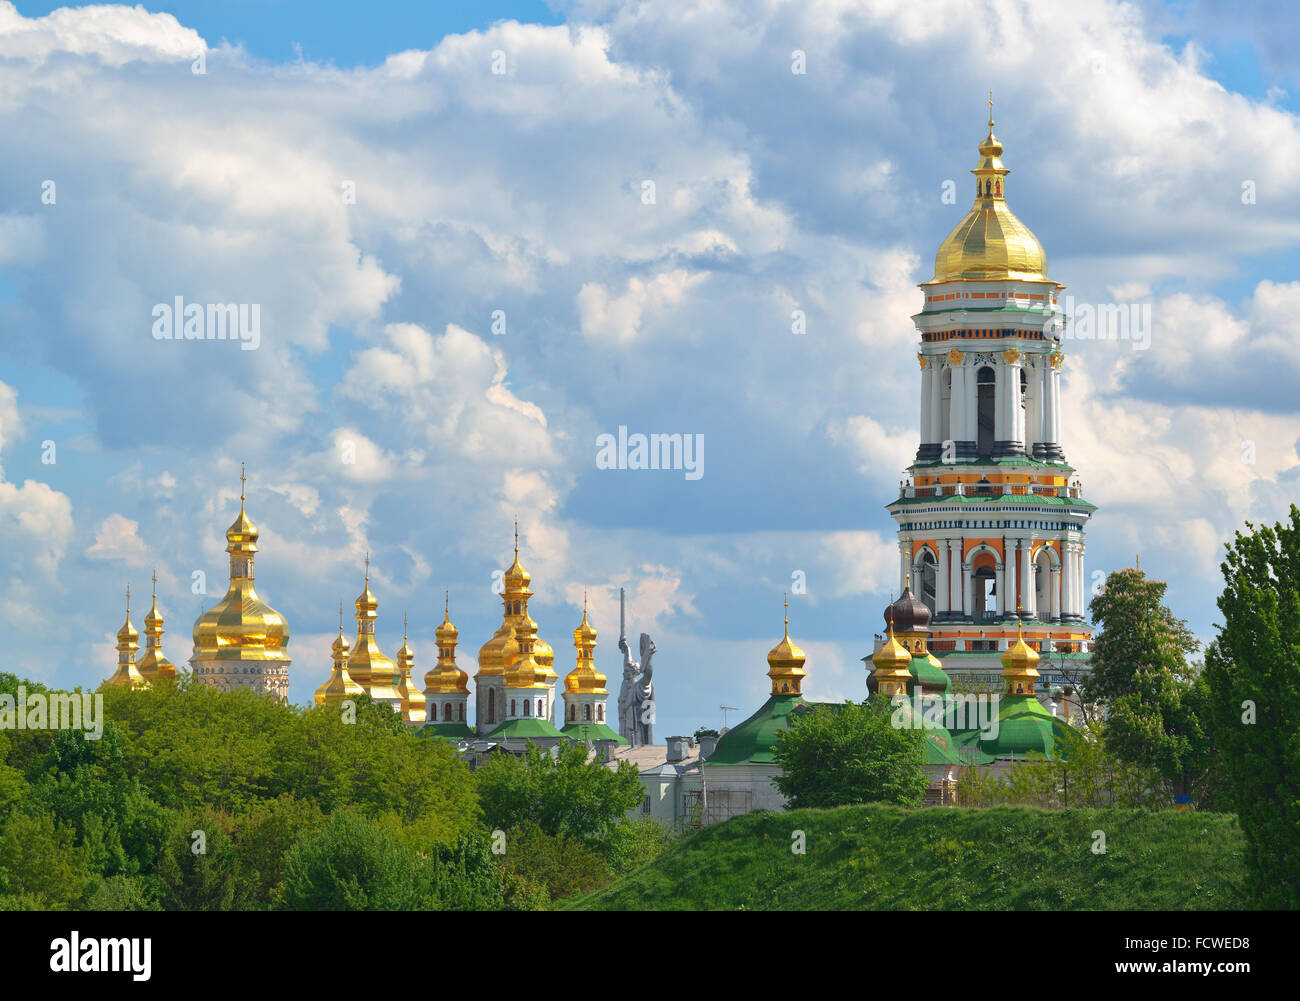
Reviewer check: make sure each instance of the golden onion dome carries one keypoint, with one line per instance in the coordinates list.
(892, 662)
(127, 674)
(785, 663)
(369, 666)
(491, 654)
(584, 678)
(446, 678)
(1020, 665)
(128, 635)
(413, 708)
(154, 664)
(339, 685)
(990, 243)
(524, 671)
(241, 627)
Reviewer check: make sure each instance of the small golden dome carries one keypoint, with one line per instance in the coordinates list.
(1020, 665)
(154, 664)
(446, 678)
(127, 674)
(584, 678)
(339, 685)
(990, 243)
(526, 671)
(785, 663)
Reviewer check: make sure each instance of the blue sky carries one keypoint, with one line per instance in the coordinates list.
(522, 192)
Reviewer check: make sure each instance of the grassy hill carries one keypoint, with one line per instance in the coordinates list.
(885, 858)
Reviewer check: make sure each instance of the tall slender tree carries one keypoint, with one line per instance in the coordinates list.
(1253, 673)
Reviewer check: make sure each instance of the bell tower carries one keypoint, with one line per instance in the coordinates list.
(991, 517)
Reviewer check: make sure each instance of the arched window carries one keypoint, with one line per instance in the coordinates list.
(492, 705)
(446, 712)
(586, 713)
(528, 708)
(514, 707)
(986, 388)
(462, 712)
(540, 710)
(600, 713)
(570, 712)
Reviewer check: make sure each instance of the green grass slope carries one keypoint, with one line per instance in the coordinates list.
(888, 858)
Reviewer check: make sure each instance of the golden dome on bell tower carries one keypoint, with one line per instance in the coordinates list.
(785, 663)
(154, 664)
(241, 642)
(990, 243)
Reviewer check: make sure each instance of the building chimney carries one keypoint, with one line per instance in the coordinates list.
(676, 749)
(707, 744)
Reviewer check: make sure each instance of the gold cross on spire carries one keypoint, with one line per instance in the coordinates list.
(516, 538)
(990, 109)
(403, 627)
(340, 618)
(128, 599)
(785, 599)
(367, 566)
(446, 603)
(242, 478)
(155, 582)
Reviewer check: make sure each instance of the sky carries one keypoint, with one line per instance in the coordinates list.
(442, 213)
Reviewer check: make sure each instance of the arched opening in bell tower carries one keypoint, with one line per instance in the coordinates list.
(986, 397)
(929, 568)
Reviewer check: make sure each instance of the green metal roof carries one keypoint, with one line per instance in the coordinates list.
(1025, 726)
(753, 741)
(526, 727)
(590, 731)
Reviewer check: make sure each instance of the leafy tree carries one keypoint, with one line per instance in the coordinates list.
(565, 793)
(40, 864)
(852, 754)
(351, 864)
(1141, 672)
(561, 863)
(1253, 680)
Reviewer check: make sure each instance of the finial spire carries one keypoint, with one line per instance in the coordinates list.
(446, 603)
(516, 538)
(367, 566)
(990, 109)
(403, 627)
(155, 583)
(128, 599)
(340, 618)
(785, 598)
(242, 479)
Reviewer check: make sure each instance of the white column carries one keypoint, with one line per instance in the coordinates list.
(936, 400)
(1054, 594)
(1031, 590)
(957, 405)
(1002, 586)
(1015, 413)
(955, 588)
(1083, 585)
(1067, 580)
(971, 398)
(1033, 409)
(999, 403)
(941, 580)
(927, 393)
(1051, 405)
(968, 591)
